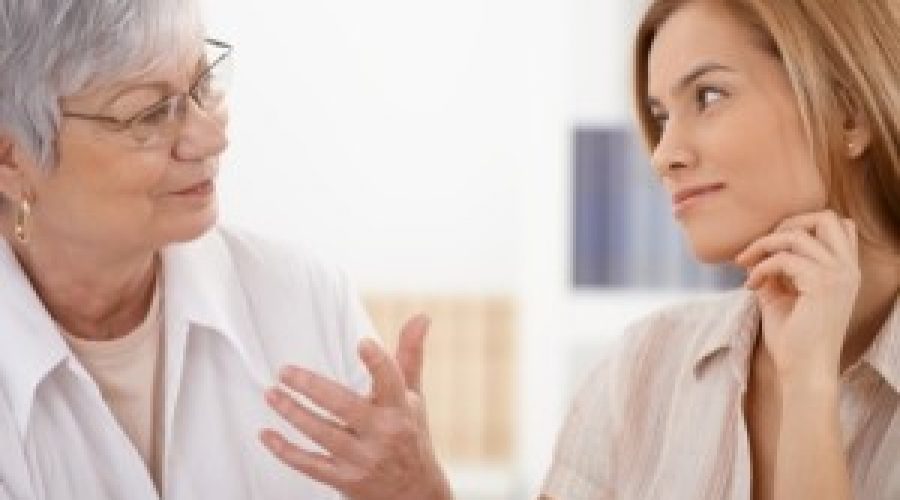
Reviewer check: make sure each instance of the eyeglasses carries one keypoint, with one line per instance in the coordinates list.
(161, 122)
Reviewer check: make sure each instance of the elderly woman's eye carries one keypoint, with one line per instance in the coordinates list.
(203, 87)
(157, 114)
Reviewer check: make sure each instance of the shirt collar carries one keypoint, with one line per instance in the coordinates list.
(729, 326)
(202, 290)
(734, 328)
(32, 345)
(884, 353)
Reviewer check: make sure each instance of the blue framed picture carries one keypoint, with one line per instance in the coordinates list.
(624, 233)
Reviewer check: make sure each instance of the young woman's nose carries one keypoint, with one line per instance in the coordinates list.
(674, 151)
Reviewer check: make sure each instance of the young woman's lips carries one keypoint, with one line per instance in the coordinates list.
(200, 189)
(690, 197)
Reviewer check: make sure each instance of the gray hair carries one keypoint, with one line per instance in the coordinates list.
(50, 49)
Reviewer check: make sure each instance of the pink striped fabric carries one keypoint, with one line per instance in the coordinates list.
(661, 417)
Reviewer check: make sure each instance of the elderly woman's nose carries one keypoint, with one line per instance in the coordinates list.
(203, 134)
(672, 152)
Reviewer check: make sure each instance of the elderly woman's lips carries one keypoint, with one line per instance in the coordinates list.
(200, 188)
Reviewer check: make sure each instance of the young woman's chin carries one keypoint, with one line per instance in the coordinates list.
(716, 248)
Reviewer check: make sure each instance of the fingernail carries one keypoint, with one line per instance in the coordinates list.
(425, 320)
(366, 349)
(271, 395)
(286, 373)
(269, 438)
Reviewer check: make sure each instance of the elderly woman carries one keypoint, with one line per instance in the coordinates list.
(775, 124)
(137, 340)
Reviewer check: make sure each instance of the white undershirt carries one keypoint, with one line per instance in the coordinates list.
(128, 371)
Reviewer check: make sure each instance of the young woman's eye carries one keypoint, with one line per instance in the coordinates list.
(659, 119)
(708, 95)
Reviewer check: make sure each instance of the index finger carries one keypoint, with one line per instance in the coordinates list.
(387, 380)
(828, 226)
(326, 394)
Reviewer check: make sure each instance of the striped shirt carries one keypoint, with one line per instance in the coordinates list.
(662, 415)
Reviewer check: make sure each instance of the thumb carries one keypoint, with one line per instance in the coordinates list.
(411, 351)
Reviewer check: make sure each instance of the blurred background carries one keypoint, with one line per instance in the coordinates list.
(474, 160)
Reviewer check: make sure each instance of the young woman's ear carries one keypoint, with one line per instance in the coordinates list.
(857, 129)
(858, 138)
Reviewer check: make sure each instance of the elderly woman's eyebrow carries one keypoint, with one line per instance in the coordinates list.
(162, 87)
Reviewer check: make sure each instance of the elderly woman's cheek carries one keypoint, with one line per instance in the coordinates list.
(218, 117)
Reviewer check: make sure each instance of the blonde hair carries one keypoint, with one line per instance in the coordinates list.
(843, 60)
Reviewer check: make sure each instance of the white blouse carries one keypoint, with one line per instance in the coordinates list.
(236, 308)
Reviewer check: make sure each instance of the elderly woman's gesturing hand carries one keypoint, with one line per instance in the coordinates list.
(379, 448)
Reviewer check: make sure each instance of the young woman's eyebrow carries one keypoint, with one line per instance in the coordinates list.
(689, 78)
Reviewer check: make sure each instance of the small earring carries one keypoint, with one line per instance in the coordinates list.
(22, 215)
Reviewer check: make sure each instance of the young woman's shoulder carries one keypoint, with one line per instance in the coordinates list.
(680, 333)
(659, 351)
(620, 416)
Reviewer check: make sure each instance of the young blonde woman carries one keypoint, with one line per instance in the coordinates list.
(775, 125)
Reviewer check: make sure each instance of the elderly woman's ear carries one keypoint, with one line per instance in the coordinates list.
(11, 175)
(17, 170)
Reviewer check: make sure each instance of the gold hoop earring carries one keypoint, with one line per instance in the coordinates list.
(22, 215)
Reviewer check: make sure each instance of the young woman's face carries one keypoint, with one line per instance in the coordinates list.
(728, 117)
